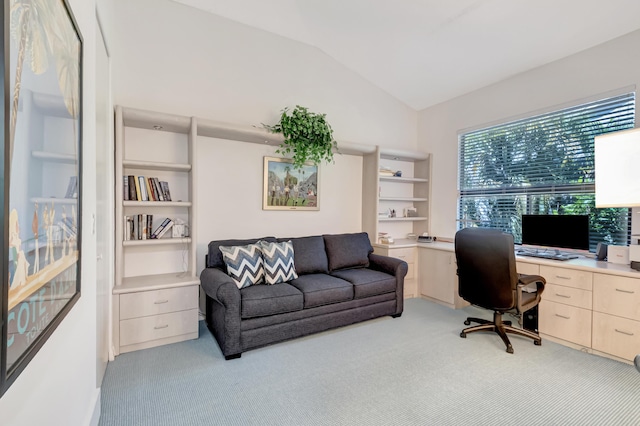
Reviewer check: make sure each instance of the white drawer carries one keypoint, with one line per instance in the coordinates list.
(145, 303)
(527, 268)
(567, 277)
(616, 336)
(568, 295)
(619, 296)
(154, 327)
(565, 322)
(407, 254)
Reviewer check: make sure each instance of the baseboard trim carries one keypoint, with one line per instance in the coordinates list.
(93, 416)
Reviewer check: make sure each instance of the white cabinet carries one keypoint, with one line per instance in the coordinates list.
(408, 254)
(383, 194)
(156, 286)
(438, 280)
(565, 309)
(616, 315)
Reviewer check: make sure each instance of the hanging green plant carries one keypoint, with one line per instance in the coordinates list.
(307, 136)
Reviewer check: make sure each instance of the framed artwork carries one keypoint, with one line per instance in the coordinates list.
(42, 172)
(286, 188)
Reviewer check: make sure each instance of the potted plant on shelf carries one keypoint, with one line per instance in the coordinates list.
(307, 136)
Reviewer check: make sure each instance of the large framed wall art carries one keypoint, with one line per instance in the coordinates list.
(42, 111)
(288, 188)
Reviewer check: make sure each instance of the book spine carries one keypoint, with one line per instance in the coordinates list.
(144, 226)
(125, 188)
(160, 227)
(138, 193)
(165, 188)
(149, 191)
(132, 188)
(165, 229)
(156, 184)
(143, 189)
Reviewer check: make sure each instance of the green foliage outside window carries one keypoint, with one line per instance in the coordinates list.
(542, 165)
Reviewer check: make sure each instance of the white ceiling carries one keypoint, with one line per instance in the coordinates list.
(424, 52)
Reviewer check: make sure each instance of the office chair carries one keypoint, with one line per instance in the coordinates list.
(487, 278)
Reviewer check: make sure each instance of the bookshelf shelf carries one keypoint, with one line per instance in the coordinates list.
(402, 219)
(157, 204)
(151, 165)
(156, 242)
(402, 179)
(402, 199)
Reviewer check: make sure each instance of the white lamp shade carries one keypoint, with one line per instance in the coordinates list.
(617, 168)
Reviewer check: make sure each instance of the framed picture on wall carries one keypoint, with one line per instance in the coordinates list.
(287, 188)
(42, 172)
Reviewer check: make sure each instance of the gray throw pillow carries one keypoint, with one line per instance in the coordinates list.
(348, 250)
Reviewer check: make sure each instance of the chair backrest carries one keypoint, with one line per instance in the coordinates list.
(487, 274)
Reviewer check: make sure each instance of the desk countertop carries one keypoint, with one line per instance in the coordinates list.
(584, 263)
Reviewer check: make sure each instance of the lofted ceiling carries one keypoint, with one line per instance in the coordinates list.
(424, 52)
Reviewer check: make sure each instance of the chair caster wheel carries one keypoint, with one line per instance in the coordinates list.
(537, 342)
(463, 335)
(510, 349)
(467, 322)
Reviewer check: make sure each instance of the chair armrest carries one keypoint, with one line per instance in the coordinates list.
(390, 265)
(525, 280)
(220, 287)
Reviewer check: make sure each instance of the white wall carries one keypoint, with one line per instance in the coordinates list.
(59, 385)
(230, 196)
(599, 70)
(171, 58)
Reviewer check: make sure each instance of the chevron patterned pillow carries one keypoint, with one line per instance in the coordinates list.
(244, 264)
(278, 262)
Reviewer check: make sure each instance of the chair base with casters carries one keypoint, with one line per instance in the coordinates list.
(501, 328)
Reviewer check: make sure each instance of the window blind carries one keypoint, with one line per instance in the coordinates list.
(541, 165)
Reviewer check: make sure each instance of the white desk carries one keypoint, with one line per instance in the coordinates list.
(590, 305)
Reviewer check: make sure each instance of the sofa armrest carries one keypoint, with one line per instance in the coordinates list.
(390, 265)
(220, 287)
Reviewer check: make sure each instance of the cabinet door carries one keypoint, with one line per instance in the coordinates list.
(438, 279)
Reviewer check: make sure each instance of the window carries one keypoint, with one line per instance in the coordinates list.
(542, 165)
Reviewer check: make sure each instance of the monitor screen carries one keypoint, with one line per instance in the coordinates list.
(558, 231)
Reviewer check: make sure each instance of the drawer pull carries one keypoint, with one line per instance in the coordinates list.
(563, 278)
(562, 316)
(623, 332)
(625, 291)
(160, 302)
(158, 327)
(563, 295)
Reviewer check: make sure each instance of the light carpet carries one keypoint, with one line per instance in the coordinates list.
(413, 370)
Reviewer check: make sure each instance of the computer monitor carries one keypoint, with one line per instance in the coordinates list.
(557, 231)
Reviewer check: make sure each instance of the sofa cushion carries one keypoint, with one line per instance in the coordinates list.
(264, 300)
(322, 289)
(278, 261)
(367, 282)
(347, 250)
(310, 255)
(214, 256)
(244, 264)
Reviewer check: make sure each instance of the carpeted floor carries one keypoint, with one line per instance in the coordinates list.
(414, 370)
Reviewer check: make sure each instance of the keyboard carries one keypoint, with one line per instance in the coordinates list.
(546, 255)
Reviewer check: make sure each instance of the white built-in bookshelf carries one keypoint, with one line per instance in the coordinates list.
(156, 282)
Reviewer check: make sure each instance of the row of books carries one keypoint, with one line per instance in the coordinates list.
(139, 227)
(140, 188)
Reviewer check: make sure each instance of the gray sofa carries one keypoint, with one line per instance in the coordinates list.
(340, 282)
